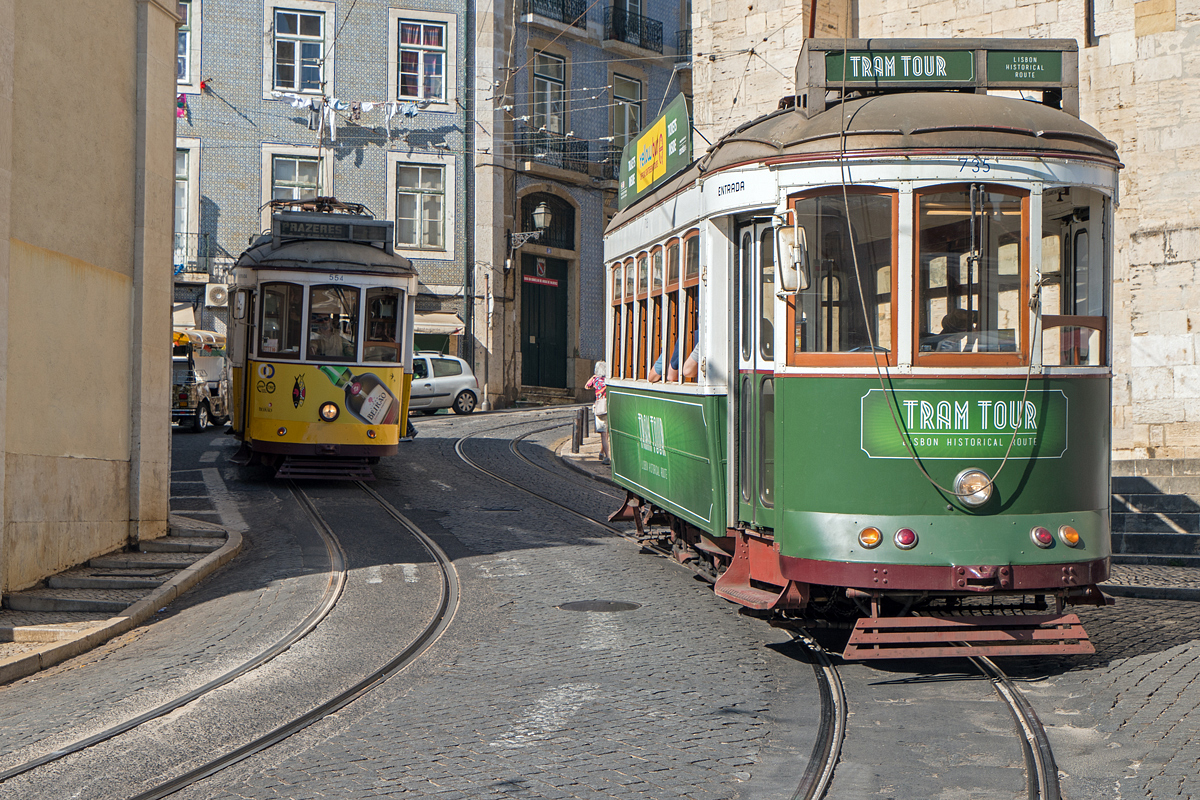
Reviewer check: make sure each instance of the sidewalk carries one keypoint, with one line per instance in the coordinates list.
(87, 605)
(1125, 580)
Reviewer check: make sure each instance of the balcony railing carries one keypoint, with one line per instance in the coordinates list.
(634, 29)
(196, 254)
(683, 46)
(555, 149)
(568, 12)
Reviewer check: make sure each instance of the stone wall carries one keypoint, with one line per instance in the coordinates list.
(1139, 71)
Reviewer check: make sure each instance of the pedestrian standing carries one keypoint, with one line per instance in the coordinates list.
(600, 408)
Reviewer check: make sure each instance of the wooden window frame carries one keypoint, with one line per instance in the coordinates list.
(687, 313)
(671, 293)
(616, 275)
(795, 358)
(627, 300)
(1018, 359)
(642, 262)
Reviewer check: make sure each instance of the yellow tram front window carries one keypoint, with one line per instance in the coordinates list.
(280, 328)
(970, 295)
(383, 325)
(333, 323)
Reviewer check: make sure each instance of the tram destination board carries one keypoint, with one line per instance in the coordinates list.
(329, 230)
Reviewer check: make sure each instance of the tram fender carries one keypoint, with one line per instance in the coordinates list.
(756, 559)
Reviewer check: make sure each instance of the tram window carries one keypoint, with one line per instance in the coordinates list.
(1073, 294)
(383, 318)
(766, 269)
(691, 328)
(280, 327)
(672, 264)
(643, 318)
(847, 307)
(627, 336)
(333, 323)
(614, 369)
(746, 436)
(691, 258)
(766, 444)
(969, 288)
(745, 253)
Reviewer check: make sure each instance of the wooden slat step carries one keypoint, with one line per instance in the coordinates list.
(952, 636)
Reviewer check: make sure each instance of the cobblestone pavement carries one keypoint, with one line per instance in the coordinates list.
(678, 698)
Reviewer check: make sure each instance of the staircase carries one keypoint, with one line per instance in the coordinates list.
(545, 396)
(1156, 512)
(106, 585)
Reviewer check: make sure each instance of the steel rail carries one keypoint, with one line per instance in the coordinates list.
(513, 446)
(325, 604)
(827, 748)
(1041, 771)
(446, 611)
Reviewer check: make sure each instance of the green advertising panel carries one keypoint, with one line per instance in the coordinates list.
(1024, 67)
(662, 150)
(957, 424)
(915, 66)
(662, 447)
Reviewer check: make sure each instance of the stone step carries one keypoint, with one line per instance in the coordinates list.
(1157, 560)
(180, 544)
(106, 600)
(1164, 544)
(1160, 484)
(1184, 524)
(92, 578)
(145, 560)
(1157, 467)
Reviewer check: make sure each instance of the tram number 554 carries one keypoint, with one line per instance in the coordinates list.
(976, 164)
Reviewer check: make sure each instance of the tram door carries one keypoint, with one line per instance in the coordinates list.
(756, 373)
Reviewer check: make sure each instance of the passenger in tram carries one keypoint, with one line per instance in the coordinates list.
(690, 366)
(953, 337)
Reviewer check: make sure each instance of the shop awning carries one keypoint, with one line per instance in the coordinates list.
(437, 322)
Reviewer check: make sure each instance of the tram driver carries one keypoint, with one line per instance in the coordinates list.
(326, 340)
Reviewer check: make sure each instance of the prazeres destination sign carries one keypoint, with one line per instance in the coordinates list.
(957, 424)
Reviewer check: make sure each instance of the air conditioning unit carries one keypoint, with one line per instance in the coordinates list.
(216, 295)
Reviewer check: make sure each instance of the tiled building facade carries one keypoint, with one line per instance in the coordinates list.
(249, 132)
(1137, 71)
(562, 87)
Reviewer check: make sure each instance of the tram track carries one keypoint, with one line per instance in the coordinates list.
(1041, 771)
(446, 608)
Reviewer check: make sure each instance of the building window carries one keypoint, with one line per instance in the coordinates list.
(627, 110)
(549, 93)
(183, 73)
(299, 50)
(181, 208)
(295, 178)
(420, 206)
(422, 61)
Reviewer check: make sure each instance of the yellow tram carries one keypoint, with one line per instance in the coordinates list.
(320, 341)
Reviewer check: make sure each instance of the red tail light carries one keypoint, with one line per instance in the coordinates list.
(906, 539)
(1041, 537)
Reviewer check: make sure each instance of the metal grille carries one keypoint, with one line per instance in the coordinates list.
(570, 12)
(643, 32)
(564, 152)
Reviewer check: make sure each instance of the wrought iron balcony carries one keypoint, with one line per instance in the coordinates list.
(196, 255)
(554, 149)
(568, 12)
(683, 46)
(634, 29)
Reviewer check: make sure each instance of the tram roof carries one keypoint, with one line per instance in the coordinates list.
(901, 123)
(323, 255)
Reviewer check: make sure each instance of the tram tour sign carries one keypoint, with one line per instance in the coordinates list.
(980, 424)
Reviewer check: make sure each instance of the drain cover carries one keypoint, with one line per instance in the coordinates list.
(607, 606)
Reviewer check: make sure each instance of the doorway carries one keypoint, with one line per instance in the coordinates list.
(543, 321)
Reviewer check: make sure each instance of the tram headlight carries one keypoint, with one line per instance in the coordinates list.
(973, 487)
(1069, 536)
(329, 411)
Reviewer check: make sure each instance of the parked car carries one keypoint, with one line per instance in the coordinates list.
(442, 382)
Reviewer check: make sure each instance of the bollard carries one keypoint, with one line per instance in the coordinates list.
(577, 431)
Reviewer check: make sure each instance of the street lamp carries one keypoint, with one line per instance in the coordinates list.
(541, 221)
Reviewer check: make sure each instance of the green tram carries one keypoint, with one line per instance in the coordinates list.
(859, 352)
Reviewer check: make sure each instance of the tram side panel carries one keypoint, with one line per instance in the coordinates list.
(669, 448)
(842, 466)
